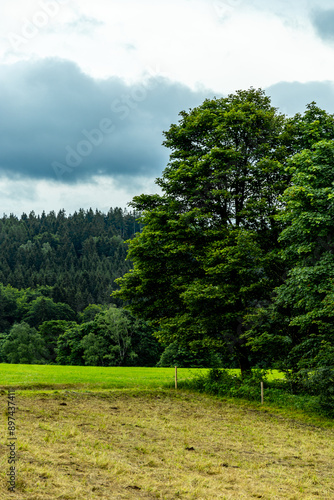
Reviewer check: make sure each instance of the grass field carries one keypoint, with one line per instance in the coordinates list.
(44, 376)
(128, 438)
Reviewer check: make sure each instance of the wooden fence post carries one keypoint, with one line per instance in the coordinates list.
(262, 393)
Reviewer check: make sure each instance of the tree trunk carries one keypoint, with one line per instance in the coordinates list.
(243, 360)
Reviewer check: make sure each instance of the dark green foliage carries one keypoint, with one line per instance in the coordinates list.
(235, 258)
(313, 371)
(297, 327)
(115, 329)
(95, 350)
(34, 306)
(303, 131)
(309, 215)
(207, 253)
(113, 338)
(106, 336)
(183, 357)
(89, 313)
(321, 383)
(44, 309)
(225, 384)
(69, 349)
(8, 307)
(146, 347)
(77, 256)
(50, 332)
(56, 270)
(3, 339)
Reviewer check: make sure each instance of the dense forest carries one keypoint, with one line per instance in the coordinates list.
(79, 256)
(57, 274)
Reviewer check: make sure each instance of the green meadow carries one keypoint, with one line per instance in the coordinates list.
(91, 377)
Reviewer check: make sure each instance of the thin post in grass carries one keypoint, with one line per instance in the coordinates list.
(262, 393)
(175, 377)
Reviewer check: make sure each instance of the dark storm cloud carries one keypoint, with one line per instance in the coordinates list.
(292, 97)
(323, 22)
(58, 123)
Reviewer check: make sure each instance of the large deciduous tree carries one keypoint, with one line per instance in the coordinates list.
(206, 252)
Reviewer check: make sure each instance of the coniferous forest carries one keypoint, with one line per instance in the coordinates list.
(78, 255)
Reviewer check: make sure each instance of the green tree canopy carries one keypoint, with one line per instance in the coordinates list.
(307, 296)
(220, 187)
(24, 345)
(44, 309)
(289, 329)
(113, 338)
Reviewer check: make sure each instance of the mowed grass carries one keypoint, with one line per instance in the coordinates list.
(44, 376)
(126, 433)
(161, 444)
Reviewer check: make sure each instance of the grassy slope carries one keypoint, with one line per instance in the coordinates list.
(165, 444)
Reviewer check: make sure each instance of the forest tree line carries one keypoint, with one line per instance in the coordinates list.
(233, 264)
(57, 274)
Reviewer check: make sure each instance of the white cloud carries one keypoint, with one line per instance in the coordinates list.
(221, 44)
(18, 196)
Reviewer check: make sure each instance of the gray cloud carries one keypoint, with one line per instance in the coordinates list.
(58, 123)
(323, 22)
(292, 97)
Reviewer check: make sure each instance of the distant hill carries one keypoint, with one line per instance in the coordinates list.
(78, 255)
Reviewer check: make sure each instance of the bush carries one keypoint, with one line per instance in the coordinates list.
(314, 375)
(321, 382)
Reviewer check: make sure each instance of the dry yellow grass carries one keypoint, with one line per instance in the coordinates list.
(126, 444)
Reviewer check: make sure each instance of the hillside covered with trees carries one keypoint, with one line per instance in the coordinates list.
(57, 274)
(79, 256)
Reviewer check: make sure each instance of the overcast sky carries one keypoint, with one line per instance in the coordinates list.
(87, 88)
